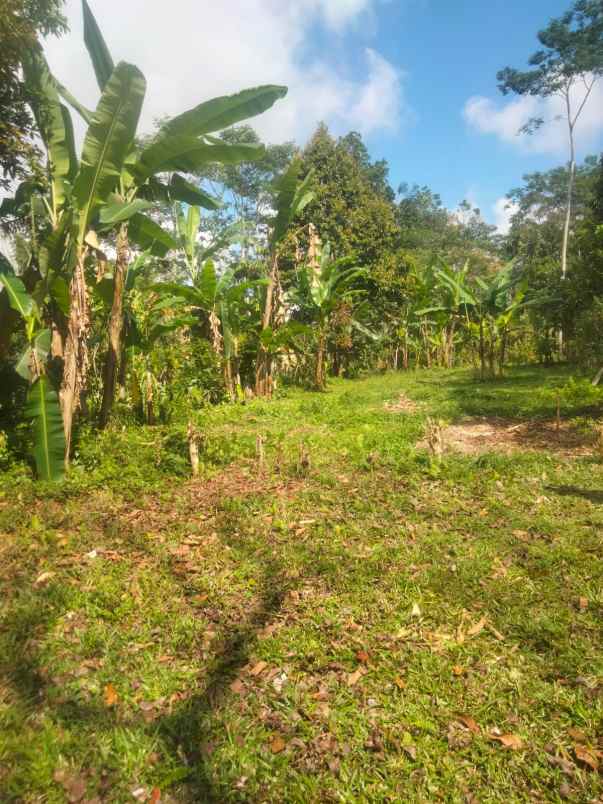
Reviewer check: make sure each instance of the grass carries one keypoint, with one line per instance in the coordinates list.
(371, 627)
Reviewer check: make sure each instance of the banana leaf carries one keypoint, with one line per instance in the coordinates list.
(108, 141)
(96, 47)
(220, 113)
(49, 441)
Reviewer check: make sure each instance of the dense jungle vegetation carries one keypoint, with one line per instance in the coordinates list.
(300, 472)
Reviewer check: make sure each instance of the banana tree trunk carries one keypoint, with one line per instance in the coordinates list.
(319, 377)
(263, 369)
(116, 325)
(228, 375)
(75, 357)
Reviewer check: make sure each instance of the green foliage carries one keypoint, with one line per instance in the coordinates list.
(49, 441)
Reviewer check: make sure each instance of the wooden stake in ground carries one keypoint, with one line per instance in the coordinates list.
(259, 451)
(194, 438)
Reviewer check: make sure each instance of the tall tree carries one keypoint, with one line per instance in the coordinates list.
(22, 22)
(571, 56)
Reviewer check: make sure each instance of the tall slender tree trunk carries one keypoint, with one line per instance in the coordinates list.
(319, 377)
(568, 208)
(263, 368)
(116, 325)
(75, 357)
(482, 350)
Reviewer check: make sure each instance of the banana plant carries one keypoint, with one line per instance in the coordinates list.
(115, 182)
(293, 196)
(42, 405)
(320, 292)
(452, 307)
(226, 308)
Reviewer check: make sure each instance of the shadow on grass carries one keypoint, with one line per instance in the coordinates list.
(592, 495)
(183, 731)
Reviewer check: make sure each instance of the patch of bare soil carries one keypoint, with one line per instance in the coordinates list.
(476, 436)
(401, 405)
(202, 497)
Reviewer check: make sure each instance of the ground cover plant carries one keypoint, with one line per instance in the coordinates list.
(300, 469)
(343, 617)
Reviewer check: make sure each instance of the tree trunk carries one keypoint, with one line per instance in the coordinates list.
(568, 209)
(116, 325)
(482, 351)
(263, 369)
(319, 377)
(503, 354)
(228, 378)
(75, 359)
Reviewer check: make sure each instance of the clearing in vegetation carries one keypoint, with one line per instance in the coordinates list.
(352, 620)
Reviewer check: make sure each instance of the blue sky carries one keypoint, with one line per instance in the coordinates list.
(416, 77)
(451, 51)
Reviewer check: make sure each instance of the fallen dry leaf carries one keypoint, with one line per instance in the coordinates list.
(362, 656)
(479, 626)
(399, 682)
(155, 795)
(277, 745)
(582, 603)
(577, 734)
(110, 695)
(354, 678)
(258, 668)
(237, 686)
(512, 741)
(43, 578)
(457, 670)
(588, 756)
(470, 723)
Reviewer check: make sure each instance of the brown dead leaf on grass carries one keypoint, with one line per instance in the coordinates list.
(238, 687)
(43, 579)
(353, 678)
(110, 695)
(258, 668)
(470, 723)
(511, 741)
(588, 756)
(278, 744)
(477, 627)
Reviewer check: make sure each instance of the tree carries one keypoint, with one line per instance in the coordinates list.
(571, 55)
(21, 23)
(293, 196)
(352, 209)
(113, 183)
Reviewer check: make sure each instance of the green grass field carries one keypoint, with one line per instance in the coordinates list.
(349, 620)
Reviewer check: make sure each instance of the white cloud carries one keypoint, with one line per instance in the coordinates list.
(503, 210)
(505, 119)
(191, 51)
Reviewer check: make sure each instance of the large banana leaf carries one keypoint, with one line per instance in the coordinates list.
(182, 190)
(108, 141)
(40, 348)
(193, 218)
(53, 121)
(18, 297)
(119, 211)
(97, 47)
(287, 186)
(150, 236)
(49, 440)
(220, 113)
(188, 154)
